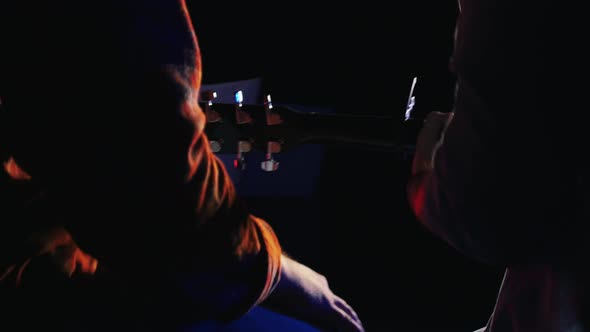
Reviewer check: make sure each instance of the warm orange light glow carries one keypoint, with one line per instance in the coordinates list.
(274, 252)
(15, 171)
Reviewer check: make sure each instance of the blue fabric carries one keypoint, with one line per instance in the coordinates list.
(257, 320)
(299, 168)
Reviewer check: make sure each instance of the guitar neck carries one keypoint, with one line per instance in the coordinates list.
(231, 126)
(364, 131)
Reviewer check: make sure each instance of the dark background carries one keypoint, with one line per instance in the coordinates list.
(357, 229)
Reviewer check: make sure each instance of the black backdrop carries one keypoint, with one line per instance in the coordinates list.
(357, 229)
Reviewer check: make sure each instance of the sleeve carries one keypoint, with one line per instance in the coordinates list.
(229, 237)
(241, 249)
(178, 202)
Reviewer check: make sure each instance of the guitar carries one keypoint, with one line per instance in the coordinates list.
(238, 129)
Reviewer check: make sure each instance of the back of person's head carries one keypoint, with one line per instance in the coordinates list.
(54, 67)
(78, 99)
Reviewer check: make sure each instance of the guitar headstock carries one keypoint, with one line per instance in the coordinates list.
(239, 129)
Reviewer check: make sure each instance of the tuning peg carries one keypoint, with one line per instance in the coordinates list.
(411, 101)
(243, 147)
(239, 97)
(271, 165)
(242, 117)
(215, 145)
(272, 118)
(208, 96)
